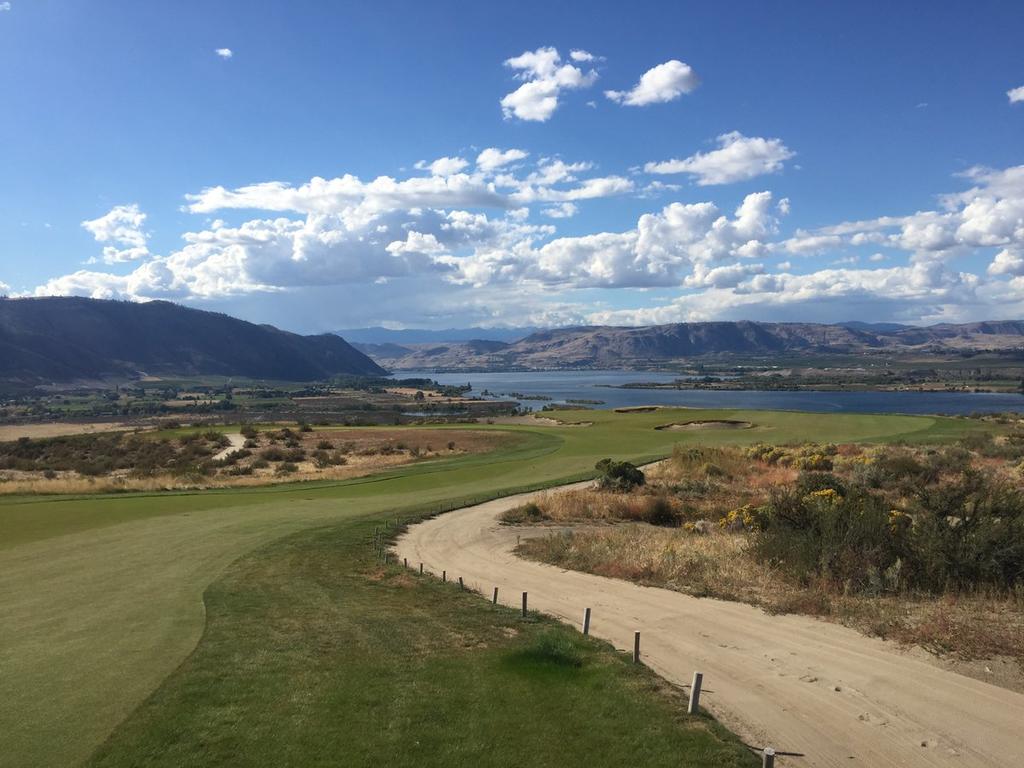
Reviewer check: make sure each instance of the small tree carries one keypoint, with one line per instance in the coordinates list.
(618, 475)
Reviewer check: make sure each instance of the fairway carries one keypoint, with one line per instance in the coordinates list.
(101, 598)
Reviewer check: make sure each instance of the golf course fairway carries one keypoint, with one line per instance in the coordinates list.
(102, 597)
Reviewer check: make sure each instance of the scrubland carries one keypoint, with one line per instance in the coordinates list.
(922, 545)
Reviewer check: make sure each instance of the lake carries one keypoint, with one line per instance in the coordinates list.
(561, 386)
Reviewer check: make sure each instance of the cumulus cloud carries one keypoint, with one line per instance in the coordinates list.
(444, 166)
(1015, 95)
(662, 250)
(665, 82)
(988, 214)
(5, 6)
(469, 235)
(122, 229)
(544, 77)
(1008, 262)
(738, 158)
(224, 53)
(492, 158)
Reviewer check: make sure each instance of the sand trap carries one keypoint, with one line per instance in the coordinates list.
(706, 424)
(540, 421)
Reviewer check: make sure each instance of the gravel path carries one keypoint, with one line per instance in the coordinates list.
(792, 682)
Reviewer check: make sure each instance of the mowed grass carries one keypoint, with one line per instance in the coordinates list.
(315, 655)
(101, 597)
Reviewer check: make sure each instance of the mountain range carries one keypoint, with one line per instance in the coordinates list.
(618, 347)
(57, 339)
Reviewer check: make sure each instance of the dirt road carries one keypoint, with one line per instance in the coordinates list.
(791, 682)
(237, 443)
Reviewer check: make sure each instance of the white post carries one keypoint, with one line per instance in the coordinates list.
(698, 678)
(768, 758)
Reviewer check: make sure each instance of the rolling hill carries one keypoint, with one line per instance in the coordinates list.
(618, 347)
(57, 339)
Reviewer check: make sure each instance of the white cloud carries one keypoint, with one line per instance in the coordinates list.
(395, 238)
(224, 53)
(351, 197)
(444, 166)
(545, 76)
(738, 158)
(1007, 262)
(804, 244)
(5, 6)
(665, 82)
(588, 189)
(662, 250)
(581, 55)
(561, 211)
(493, 158)
(122, 229)
(1015, 95)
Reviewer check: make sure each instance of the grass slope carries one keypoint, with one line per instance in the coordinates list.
(314, 656)
(101, 596)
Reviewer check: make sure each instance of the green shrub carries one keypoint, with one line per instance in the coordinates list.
(618, 475)
(967, 533)
(525, 513)
(845, 540)
(809, 482)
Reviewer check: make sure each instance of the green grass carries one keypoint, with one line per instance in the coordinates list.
(101, 597)
(315, 656)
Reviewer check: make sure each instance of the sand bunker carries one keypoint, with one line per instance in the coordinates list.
(707, 424)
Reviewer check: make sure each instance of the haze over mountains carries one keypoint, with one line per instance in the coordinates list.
(617, 347)
(67, 339)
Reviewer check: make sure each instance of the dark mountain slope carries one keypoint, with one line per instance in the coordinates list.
(63, 339)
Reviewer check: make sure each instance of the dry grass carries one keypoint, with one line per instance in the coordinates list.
(707, 483)
(366, 452)
(720, 565)
(587, 506)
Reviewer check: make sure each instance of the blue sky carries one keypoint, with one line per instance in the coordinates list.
(770, 161)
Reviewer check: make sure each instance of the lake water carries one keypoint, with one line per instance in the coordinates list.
(561, 386)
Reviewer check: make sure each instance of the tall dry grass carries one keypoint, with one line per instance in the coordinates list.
(975, 625)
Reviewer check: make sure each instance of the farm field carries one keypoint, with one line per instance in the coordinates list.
(103, 597)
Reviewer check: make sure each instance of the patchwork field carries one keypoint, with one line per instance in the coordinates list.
(103, 597)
